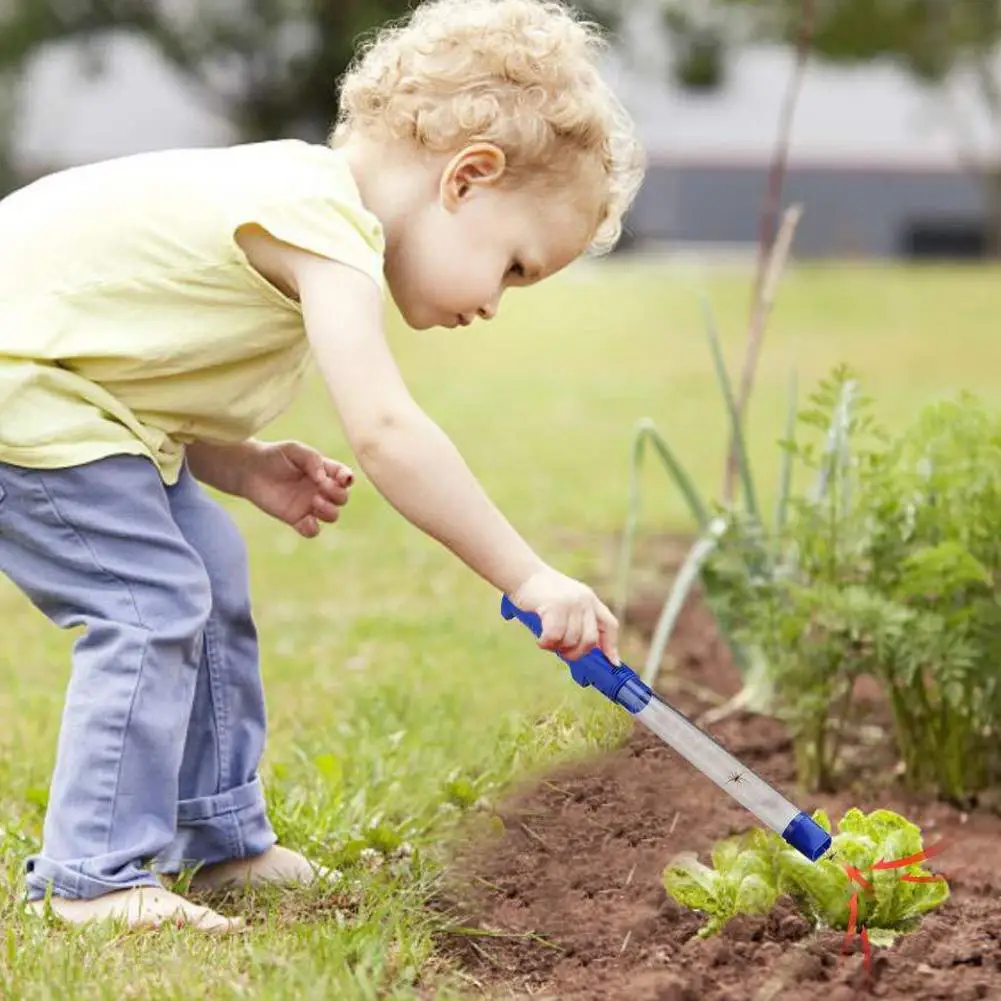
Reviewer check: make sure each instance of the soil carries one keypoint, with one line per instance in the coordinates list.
(570, 893)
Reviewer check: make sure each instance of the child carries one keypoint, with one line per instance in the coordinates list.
(158, 310)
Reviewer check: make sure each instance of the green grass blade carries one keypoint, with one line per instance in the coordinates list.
(684, 483)
(743, 462)
(646, 431)
(687, 578)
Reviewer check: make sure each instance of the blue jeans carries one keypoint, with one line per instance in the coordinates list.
(164, 721)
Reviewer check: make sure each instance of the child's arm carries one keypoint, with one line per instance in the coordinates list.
(223, 467)
(411, 461)
(407, 456)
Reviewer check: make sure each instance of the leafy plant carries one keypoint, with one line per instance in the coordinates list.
(892, 571)
(711, 518)
(871, 878)
(738, 554)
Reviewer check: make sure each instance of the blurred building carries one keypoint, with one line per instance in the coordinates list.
(873, 159)
(876, 159)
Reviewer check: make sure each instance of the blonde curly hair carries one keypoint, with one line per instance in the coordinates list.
(522, 74)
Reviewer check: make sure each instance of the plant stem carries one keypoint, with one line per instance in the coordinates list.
(773, 200)
(841, 716)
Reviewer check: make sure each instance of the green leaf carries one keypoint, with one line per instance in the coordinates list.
(756, 894)
(682, 480)
(646, 432)
(896, 836)
(696, 886)
(330, 767)
(461, 792)
(821, 889)
(898, 902)
(882, 938)
(739, 445)
(742, 880)
(724, 855)
(384, 838)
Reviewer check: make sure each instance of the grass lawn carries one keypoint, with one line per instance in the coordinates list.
(397, 695)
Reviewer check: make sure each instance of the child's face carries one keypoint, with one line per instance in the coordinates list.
(454, 258)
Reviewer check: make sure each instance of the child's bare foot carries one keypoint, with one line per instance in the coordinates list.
(139, 907)
(277, 867)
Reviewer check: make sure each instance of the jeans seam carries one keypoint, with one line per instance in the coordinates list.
(219, 711)
(124, 731)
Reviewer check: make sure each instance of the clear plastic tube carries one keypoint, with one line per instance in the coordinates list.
(714, 761)
(621, 685)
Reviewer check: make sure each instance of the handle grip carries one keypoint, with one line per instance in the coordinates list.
(619, 684)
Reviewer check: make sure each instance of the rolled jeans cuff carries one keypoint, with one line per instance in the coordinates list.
(210, 829)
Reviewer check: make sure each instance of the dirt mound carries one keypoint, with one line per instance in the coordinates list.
(570, 889)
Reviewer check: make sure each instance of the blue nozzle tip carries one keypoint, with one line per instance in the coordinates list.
(807, 837)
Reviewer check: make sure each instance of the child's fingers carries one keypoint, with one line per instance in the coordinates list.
(331, 490)
(571, 635)
(608, 629)
(587, 637)
(308, 527)
(610, 650)
(325, 510)
(338, 472)
(307, 459)
(554, 625)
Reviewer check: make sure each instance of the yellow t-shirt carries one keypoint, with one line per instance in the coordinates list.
(131, 321)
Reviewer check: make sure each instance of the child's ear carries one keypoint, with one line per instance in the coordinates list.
(478, 165)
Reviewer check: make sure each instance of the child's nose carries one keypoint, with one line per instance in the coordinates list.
(489, 311)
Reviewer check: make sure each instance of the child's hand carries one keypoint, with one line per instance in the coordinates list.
(296, 484)
(574, 620)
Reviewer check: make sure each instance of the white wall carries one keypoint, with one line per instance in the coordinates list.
(69, 115)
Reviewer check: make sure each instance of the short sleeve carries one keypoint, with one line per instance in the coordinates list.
(306, 196)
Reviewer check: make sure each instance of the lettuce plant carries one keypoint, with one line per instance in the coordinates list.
(872, 878)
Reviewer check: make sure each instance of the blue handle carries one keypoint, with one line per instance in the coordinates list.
(621, 684)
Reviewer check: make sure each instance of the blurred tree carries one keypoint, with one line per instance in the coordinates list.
(270, 66)
(8, 176)
(932, 39)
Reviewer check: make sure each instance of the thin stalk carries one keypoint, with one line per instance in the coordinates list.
(646, 432)
(785, 472)
(687, 578)
(903, 725)
(632, 518)
(957, 781)
(766, 257)
(841, 718)
(737, 435)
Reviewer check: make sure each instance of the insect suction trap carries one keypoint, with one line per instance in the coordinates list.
(624, 687)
